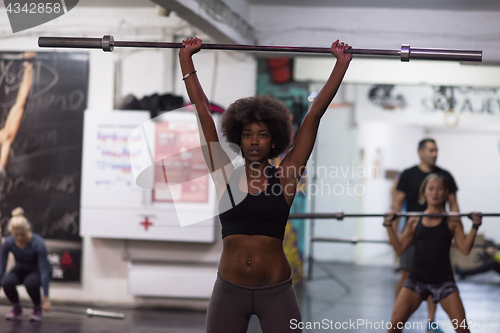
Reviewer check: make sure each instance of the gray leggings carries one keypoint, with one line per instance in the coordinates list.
(231, 307)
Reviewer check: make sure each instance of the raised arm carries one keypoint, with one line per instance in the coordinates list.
(194, 89)
(465, 243)
(215, 157)
(401, 243)
(25, 86)
(452, 201)
(298, 156)
(13, 121)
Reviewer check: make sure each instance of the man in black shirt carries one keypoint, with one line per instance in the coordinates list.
(407, 190)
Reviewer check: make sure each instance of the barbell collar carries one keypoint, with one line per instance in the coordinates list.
(107, 43)
(405, 53)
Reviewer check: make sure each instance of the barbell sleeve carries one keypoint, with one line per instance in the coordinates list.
(107, 43)
(105, 314)
(443, 54)
(71, 42)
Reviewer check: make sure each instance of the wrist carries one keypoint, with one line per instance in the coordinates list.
(184, 55)
(188, 75)
(475, 226)
(342, 62)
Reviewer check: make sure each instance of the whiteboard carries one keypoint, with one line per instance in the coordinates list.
(118, 146)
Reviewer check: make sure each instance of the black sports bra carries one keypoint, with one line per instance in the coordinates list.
(265, 213)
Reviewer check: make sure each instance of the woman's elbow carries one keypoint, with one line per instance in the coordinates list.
(315, 116)
(465, 251)
(398, 249)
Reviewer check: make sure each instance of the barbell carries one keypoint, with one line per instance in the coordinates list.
(88, 312)
(107, 44)
(340, 215)
(355, 241)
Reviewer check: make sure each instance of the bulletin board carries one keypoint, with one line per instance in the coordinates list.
(120, 147)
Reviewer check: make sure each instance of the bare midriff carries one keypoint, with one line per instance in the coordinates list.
(253, 260)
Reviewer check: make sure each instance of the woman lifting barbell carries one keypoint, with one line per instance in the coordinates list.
(254, 276)
(431, 272)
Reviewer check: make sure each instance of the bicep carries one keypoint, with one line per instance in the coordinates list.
(407, 236)
(217, 160)
(206, 125)
(397, 203)
(41, 250)
(452, 200)
(458, 231)
(221, 179)
(42, 253)
(297, 157)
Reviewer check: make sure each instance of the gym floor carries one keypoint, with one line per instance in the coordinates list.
(371, 299)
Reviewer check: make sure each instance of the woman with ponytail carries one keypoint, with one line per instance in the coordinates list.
(31, 268)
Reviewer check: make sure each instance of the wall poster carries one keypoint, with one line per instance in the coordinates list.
(42, 101)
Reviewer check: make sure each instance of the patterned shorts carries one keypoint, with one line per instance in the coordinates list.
(438, 291)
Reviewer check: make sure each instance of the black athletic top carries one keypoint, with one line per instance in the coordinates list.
(265, 213)
(410, 182)
(431, 263)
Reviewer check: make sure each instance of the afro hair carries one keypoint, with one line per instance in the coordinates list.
(265, 109)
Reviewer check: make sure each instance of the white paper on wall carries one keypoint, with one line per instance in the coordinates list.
(120, 146)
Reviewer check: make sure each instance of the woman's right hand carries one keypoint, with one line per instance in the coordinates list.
(191, 46)
(28, 58)
(389, 218)
(338, 49)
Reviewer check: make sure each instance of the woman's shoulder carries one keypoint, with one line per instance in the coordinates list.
(9, 240)
(37, 239)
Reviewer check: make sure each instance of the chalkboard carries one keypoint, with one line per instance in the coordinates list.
(43, 172)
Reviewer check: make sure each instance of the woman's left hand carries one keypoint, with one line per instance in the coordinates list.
(389, 218)
(476, 218)
(191, 46)
(338, 49)
(46, 306)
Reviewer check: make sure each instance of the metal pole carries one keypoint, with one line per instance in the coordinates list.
(356, 240)
(105, 314)
(347, 240)
(107, 43)
(89, 312)
(310, 257)
(341, 216)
